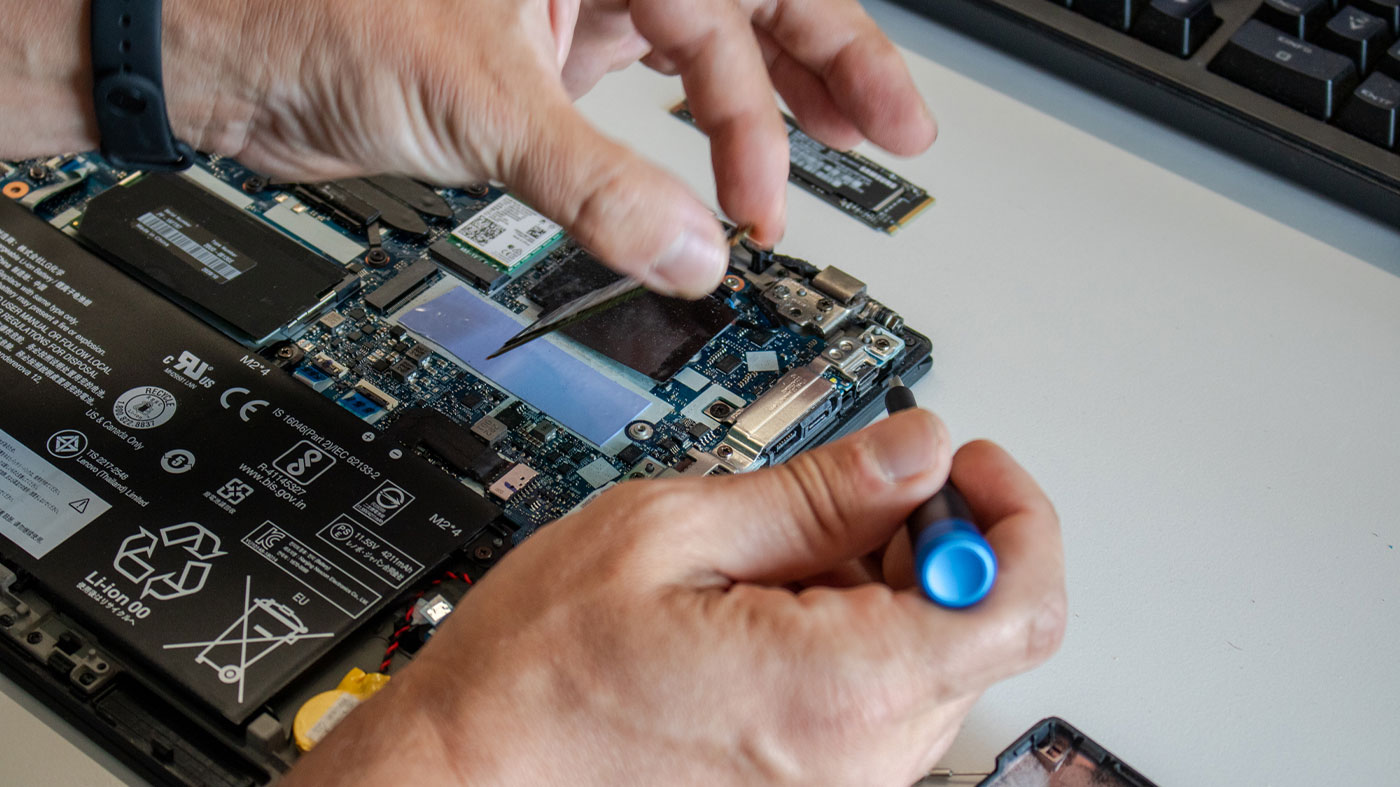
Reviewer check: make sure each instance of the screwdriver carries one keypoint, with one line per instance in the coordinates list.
(954, 564)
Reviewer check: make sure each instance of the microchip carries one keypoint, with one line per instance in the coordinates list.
(418, 352)
(698, 430)
(356, 313)
(761, 337)
(725, 362)
(511, 417)
(380, 364)
(630, 455)
(400, 347)
(354, 336)
(667, 444)
(651, 333)
(471, 399)
(215, 260)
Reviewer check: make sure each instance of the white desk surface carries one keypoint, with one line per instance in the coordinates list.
(1201, 364)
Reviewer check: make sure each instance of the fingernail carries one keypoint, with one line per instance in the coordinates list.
(905, 445)
(693, 264)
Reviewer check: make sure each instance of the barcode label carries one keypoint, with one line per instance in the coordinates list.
(214, 259)
(508, 231)
(480, 233)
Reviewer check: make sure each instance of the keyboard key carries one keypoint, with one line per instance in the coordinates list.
(1356, 34)
(1389, 10)
(1390, 61)
(1177, 26)
(1305, 77)
(1298, 18)
(1373, 111)
(1117, 14)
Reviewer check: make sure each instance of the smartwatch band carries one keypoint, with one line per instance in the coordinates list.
(128, 93)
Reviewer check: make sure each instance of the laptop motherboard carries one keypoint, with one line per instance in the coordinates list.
(252, 450)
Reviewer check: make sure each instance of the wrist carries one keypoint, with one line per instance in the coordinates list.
(215, 65)
(48, 80)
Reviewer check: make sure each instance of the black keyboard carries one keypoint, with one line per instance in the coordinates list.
(1307, 88)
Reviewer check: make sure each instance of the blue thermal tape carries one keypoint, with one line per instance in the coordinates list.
(543, 374)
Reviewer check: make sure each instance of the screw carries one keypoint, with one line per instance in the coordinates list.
(846, 345)
(377, 258)
(34, 638)
(781, 291)
(286, 351)
(255, 184)
(825, 304)
(882, 343)
(38, 172)
(6, 621)
(87, 678)
(834, 354)
(724, 451)
(477, 190)
(483, 552)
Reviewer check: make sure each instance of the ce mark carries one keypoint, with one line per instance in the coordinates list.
(247, 409)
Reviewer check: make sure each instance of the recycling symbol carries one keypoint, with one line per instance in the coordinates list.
(193, 547)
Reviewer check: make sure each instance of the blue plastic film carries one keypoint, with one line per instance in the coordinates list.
(543, 374)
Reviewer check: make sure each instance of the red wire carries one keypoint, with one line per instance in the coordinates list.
(408, 617)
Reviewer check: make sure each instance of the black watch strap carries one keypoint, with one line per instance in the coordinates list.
(127, 90)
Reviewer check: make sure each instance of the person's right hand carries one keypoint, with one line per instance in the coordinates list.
(654, 637)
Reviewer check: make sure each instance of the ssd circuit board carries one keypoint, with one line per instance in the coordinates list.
(351, 319)
(855, 185)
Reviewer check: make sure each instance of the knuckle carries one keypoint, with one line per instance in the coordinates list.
(810, 489)
(1044, 628)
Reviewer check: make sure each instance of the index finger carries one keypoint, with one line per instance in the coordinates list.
(863, 72)
(712, 45)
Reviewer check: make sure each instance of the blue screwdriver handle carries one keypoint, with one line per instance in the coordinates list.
(953, 562)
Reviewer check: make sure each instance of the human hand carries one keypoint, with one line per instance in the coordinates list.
(654, 636)
(455, 91)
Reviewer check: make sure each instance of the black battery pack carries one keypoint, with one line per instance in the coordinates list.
(220, 525)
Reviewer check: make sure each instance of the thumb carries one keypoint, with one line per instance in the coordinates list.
(823, 507)
(638, 219)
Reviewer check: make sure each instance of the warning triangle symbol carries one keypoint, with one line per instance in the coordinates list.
(80, 505)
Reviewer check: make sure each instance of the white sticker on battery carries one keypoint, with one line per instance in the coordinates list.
(508, 231)
(40, 505)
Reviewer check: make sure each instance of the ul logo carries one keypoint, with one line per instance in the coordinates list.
(191, 365)
(304, 463)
